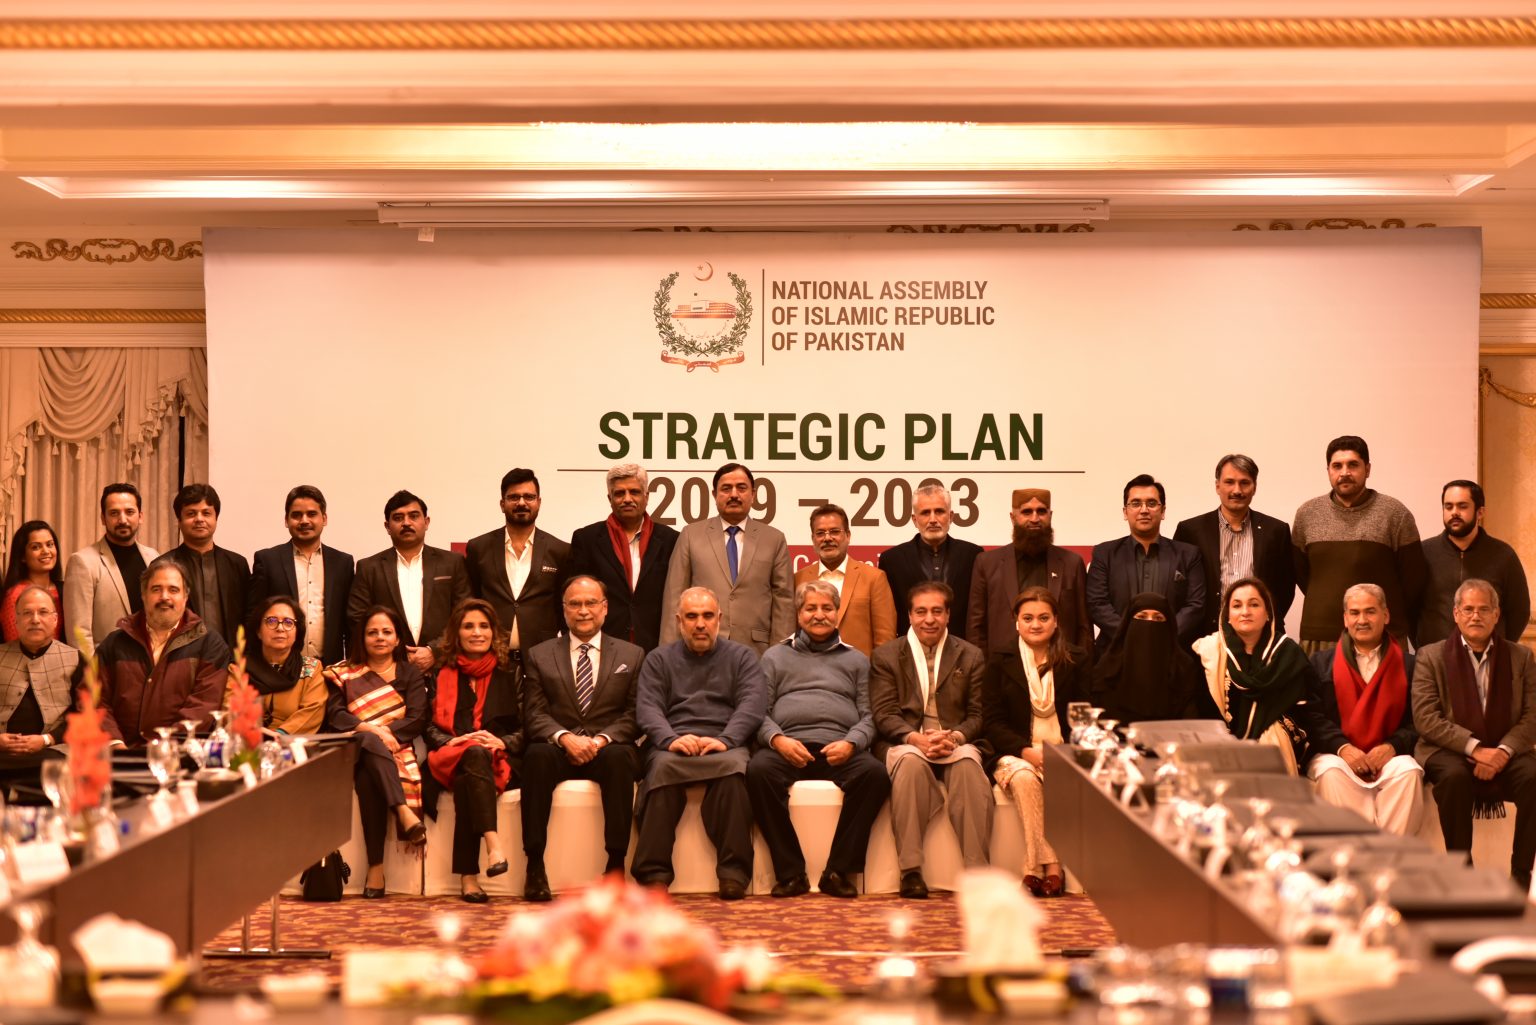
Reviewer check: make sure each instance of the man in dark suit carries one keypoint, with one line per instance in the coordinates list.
(1145, 561)
(520, 569)
(316, 575)
(1474, 705)
(1236, 541)
(931, 555)
(419, 582)
(999, 575)
(629, 552)
(925, 697)
(217, 579)
(579, 711)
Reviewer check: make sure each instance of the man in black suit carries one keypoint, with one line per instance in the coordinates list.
(1235, 541)
(1031, 560)
(629, 553)
(579, 705)
(931, 555)
(1145, 561)
(518, 569)
(421, 583)
(217, 578)
(316, 575)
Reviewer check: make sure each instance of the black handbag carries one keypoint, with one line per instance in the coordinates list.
(325, 879)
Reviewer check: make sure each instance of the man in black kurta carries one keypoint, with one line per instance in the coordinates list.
(699, 700)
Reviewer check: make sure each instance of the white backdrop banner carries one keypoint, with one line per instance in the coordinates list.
(843, 368)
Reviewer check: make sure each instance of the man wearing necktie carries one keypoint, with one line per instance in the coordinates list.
(745, 562)
(579, 707)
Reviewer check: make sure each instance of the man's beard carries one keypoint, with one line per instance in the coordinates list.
(1033, 542)
(1466, 528)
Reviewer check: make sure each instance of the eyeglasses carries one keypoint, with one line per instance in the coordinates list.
(274, 623)
(1138, 503)
(821, 535)
(590, 603)
(1476, 611)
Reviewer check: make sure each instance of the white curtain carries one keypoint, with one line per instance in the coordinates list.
(75, 420)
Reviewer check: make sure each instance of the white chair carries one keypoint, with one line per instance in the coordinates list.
(814, 805)
(1493, 840)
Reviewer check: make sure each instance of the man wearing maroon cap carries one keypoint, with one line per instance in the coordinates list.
(1031, 560)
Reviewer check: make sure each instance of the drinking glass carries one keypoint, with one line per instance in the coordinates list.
(192, 747)
(32, 975)
(218, 741)
(164, 761)
(1382, 924)
(1080, 716)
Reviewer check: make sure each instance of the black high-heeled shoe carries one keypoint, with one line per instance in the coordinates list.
(474, 896)
(373, 893)
(497, 869)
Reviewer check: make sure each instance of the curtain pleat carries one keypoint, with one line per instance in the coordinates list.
(78, 419)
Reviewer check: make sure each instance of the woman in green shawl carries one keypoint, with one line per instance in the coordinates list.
(1256, 674)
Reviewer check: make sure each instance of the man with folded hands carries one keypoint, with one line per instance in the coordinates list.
(579, 714)
(818, 726)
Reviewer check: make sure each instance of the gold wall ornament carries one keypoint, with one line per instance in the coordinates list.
(102, 316)
(1334, 224)
(1507, 301)
(108, 250)
(766, 33)
(1015, 229)
(1486, 383)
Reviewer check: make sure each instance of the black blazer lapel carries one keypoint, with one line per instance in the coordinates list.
(387, 566)
(610, 560)
(291, 574)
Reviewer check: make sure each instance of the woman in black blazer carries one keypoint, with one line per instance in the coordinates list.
(1025, 694)
(474, 738)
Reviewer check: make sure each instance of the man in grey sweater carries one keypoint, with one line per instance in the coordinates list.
(818, 726)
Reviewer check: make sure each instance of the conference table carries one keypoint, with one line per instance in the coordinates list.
(194, 878)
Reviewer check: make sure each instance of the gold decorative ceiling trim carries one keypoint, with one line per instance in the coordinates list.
(1508, 301)
(102, 316)
(767, 34)
(107, 250)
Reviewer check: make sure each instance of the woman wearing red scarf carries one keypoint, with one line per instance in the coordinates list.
(475, 738)
(1360, 720)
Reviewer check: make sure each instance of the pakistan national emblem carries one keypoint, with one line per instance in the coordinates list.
(707, 326)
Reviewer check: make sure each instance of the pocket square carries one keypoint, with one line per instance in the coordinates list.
(623, 667)
(435, 579)
(549, 569)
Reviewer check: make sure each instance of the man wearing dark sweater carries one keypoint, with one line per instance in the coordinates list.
(1464, 551)
(1354, 535)
(699, 701)
(818, 726)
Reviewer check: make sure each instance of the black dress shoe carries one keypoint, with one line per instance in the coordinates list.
(730, 889)
(497, 869)
(536, 885)
(474, 897)
(416, 836)
(794, 887)
(912, 885)
(835, 884)
(373, 893)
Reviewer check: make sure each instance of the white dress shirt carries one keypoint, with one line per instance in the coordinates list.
(836, 575)
(408, 575)
(519, 565)
(309, 572)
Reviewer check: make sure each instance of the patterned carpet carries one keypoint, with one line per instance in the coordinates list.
(838, 940)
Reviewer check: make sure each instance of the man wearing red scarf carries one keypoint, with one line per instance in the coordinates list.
(1360, 721)
(629, 553)
(1474, 704)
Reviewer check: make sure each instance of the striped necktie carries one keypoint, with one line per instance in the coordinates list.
(584, 686)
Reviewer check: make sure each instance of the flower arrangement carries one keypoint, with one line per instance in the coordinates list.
(90, 766)
(244, 710)
(615, 943)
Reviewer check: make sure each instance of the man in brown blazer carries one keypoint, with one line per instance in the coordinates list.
(743, 561)
(925, 695)
(419, 582)
(866, 613)
(520, 570)
(1000, 574)
(579, 711)
(1474, 705)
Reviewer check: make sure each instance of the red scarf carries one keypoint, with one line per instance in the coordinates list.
(620, 541)
(445, 705)
(1369, 712)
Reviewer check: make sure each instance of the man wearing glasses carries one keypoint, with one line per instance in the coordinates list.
(1474, 705)
(520, 569)
(579, 695)
(1144, 561)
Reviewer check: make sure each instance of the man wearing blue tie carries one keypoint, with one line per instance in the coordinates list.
(743, 561)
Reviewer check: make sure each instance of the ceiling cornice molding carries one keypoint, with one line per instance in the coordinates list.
(102, 316)
(768, 34)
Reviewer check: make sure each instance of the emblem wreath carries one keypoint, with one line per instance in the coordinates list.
(727, 341)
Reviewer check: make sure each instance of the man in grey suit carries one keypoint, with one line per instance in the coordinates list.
(519, 569)
(925, 696)
(579, 714)
(101, 583)
(1474, 705)
(744, 562)
(421, 583)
